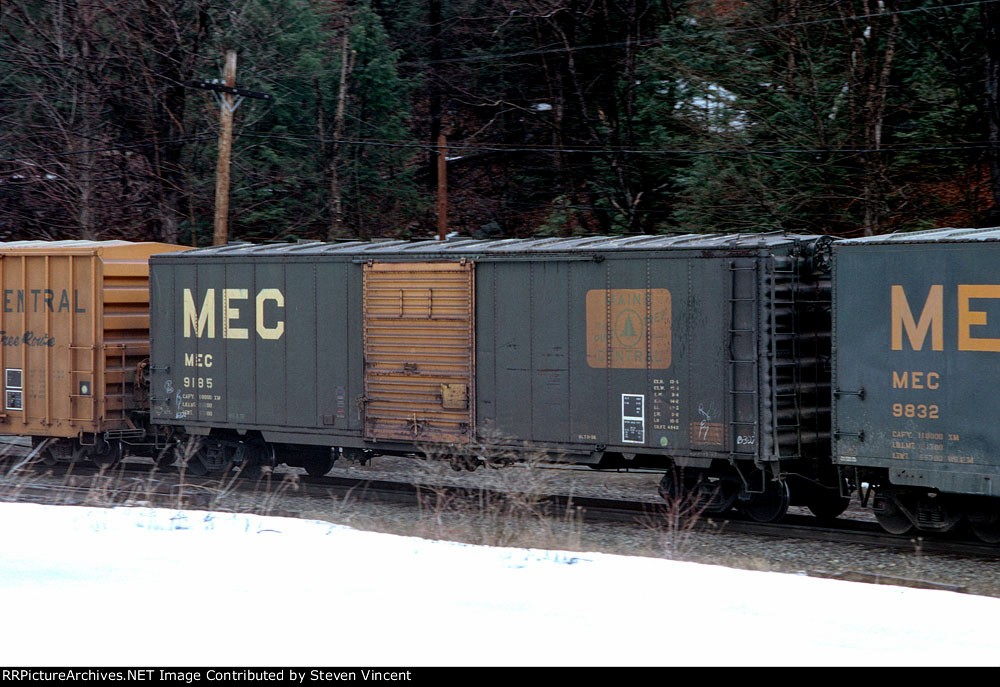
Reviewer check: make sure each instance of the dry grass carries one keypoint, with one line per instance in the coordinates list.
(507, 506)
(26, 475)
(674, 523)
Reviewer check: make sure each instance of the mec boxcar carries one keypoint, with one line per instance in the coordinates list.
(703, 353)
(918, 344)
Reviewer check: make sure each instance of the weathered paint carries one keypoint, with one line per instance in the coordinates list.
(419, 351)
(917, 327)
(617, 328)
(364, 322)
(74, 323)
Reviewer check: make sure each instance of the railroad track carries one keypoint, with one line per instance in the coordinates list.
(140, 484)
(618, 510)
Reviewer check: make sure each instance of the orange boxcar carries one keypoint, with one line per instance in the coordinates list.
(74, 335)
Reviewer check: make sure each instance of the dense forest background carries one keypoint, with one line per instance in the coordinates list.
(562, 117)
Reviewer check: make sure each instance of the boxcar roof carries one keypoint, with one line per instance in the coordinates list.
(463, 246)
(945, 235)
(83, 247)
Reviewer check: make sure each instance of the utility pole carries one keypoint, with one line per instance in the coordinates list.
(442, 194)
(229, 98)
(221, 235)
(435, 78)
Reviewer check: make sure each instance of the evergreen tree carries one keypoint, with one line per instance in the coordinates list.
(562, 116)
(810, 109)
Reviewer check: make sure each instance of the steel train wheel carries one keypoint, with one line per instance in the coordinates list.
(770, 505)
(678, 485)
(49, 450)
(695, 492)
(669, 487)
(889, 516)
(826, 504)
(317, 466)
(48, 456)
(107, 453)
(985, 524)
(254, 455)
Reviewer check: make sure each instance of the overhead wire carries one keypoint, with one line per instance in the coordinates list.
(474, 148)
(652, 40)
(641, 42)
(129, 146)
(522, 148)
(501, 147)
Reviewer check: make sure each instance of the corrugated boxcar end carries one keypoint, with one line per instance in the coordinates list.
(799, 341)
(125, 314)
(779, 337)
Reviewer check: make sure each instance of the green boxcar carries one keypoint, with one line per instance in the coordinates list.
(707, 353)
(917, 331)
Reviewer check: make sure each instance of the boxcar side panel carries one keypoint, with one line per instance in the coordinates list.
(918, 329)
(628, 392)
(299, 337)
(48, 322)
(205, 359)
(512, 349)
(256, 344)
(551, 404)
(704, 343)
(640, 355)
(354, 338)
(336, 367)
(169, 371)
(204, 352)
(81, 362)
(587, 385)
(486, 356)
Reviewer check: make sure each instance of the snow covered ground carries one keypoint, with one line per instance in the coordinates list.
(152, 587)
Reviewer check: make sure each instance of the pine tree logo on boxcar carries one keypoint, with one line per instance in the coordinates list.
(628, 328)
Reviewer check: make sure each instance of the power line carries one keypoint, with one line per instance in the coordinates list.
(718, 151)
(521, 148)
(605, 150)
(361, 142)
(67, 153)
(642, 42)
